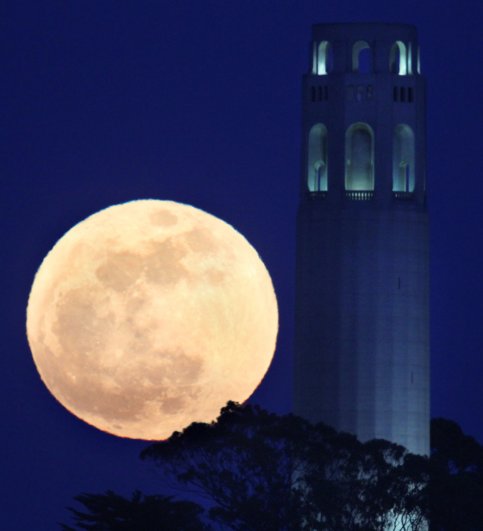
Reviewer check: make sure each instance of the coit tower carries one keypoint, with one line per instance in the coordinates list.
(362, 284)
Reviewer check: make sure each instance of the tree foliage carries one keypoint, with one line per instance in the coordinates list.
(268, 472)
(112, 512)
(456, 489)
(259, 471)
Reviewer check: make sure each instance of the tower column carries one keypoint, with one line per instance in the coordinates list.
(362, 285)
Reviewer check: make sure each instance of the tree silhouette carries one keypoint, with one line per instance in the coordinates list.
(259, 471)
(112, 512)
(268, 472)
(456, 489)
(243, 464)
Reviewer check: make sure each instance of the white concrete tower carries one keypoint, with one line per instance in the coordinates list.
(362, 285)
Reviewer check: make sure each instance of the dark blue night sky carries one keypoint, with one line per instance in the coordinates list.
(199, 102)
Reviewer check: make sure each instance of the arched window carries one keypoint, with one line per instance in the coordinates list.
(317, 159)
(361, 57)
(398, 59)
(359, 158)
(403, 170)
(323, 58)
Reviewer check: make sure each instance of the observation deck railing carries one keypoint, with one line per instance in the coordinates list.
(359, 195)
(404, 196)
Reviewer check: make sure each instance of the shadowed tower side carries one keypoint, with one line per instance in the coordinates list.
(362, 284)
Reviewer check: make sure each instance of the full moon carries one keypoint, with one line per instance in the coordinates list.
(150, 315)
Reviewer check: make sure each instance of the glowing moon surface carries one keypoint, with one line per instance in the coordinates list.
(150, 315)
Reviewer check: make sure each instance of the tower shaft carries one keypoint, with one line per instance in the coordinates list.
(362, 285)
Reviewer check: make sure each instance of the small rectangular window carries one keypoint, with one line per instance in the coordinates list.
(410, 94)
(313, 93)
(402, 94)
(326, 93)
(395, 94)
